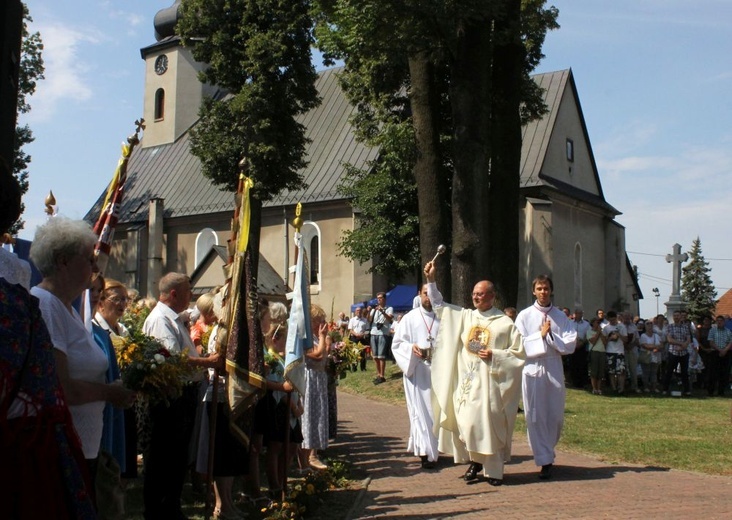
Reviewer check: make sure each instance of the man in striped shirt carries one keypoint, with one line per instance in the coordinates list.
(678, 338)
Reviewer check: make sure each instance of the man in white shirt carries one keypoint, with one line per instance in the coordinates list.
(380, 317)
(358, 329)
(172, 424)
(616, 335)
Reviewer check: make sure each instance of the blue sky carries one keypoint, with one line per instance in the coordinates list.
(653, 78)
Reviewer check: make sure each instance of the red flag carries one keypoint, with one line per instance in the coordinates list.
(107, 221)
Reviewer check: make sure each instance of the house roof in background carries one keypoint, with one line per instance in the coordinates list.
(269, 283)
(724, 305)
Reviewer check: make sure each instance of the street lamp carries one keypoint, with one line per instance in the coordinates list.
(656, 293)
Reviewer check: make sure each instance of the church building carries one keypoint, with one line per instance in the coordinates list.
(569, 230)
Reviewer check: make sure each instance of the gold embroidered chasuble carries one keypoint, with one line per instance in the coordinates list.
(475, 401)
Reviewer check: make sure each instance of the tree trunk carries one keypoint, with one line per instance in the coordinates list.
(503, 199)
(470, 82)
(432, 202)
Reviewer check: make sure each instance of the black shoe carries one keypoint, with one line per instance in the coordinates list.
(379, 380)
(426, 463)
(546, 472)
(472, 473)
(495, 481)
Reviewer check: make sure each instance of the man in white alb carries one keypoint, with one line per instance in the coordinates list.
(548, 334)
(412, 346)
(476, 375)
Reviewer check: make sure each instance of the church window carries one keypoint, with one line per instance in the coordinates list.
(311, 240)
(577, 274)
(570, 150)
(159, 104)
(205, 240)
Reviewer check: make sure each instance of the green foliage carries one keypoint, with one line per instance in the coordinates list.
(378, 41)
(258, 51)
(30, 72)
(385, 198)
(697, 288)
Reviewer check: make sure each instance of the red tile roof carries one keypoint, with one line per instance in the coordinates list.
(724, 304)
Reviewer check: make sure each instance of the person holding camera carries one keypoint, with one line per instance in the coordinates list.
(380, 318)
(616, 335)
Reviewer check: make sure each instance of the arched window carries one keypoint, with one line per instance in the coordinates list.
(205, 240)
(314, 261)
(159, 104)
(577, 274)
(311, 240)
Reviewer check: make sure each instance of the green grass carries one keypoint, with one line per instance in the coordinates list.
(691, 434)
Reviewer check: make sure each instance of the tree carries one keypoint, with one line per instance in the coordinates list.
(259, 52)
(458, 73)
(697, 288)
(385, 201)
(30, 72)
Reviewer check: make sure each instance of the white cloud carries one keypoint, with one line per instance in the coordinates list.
(129, 19)
(66, 73)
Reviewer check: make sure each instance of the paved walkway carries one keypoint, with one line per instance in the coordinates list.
(375, 436)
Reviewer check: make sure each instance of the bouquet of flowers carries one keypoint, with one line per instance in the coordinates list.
(343, 354)
(149, 368)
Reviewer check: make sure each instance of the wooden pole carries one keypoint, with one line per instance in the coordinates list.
(297, 223)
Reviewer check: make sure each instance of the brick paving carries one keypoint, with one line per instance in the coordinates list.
(375, 435)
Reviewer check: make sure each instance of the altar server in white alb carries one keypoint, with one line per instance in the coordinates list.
(548, 335)
(412, 347)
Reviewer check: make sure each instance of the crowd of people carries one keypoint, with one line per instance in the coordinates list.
(626, 354)
(71, 428)
(464, 372)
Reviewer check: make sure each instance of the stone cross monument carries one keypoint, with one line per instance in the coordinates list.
(675, 303)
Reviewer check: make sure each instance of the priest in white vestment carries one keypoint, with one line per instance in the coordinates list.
(548, 335)
(476, 381)
(412, 346)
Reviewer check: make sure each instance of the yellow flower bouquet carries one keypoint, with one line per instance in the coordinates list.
(150, 369)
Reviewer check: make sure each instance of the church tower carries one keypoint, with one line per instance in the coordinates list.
(173, 93)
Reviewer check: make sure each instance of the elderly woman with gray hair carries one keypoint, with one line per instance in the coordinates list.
(41, 463)
(63, 251)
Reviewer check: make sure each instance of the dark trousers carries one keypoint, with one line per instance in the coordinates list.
(718, 373)
(578, 364)
(671, 363)
(166, 459)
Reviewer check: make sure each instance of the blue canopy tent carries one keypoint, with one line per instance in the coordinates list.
(400, 298)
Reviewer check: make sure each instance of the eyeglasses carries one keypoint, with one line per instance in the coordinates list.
(117, 301)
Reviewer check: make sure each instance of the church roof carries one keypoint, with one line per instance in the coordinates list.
(172, 173)
(537, 134)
